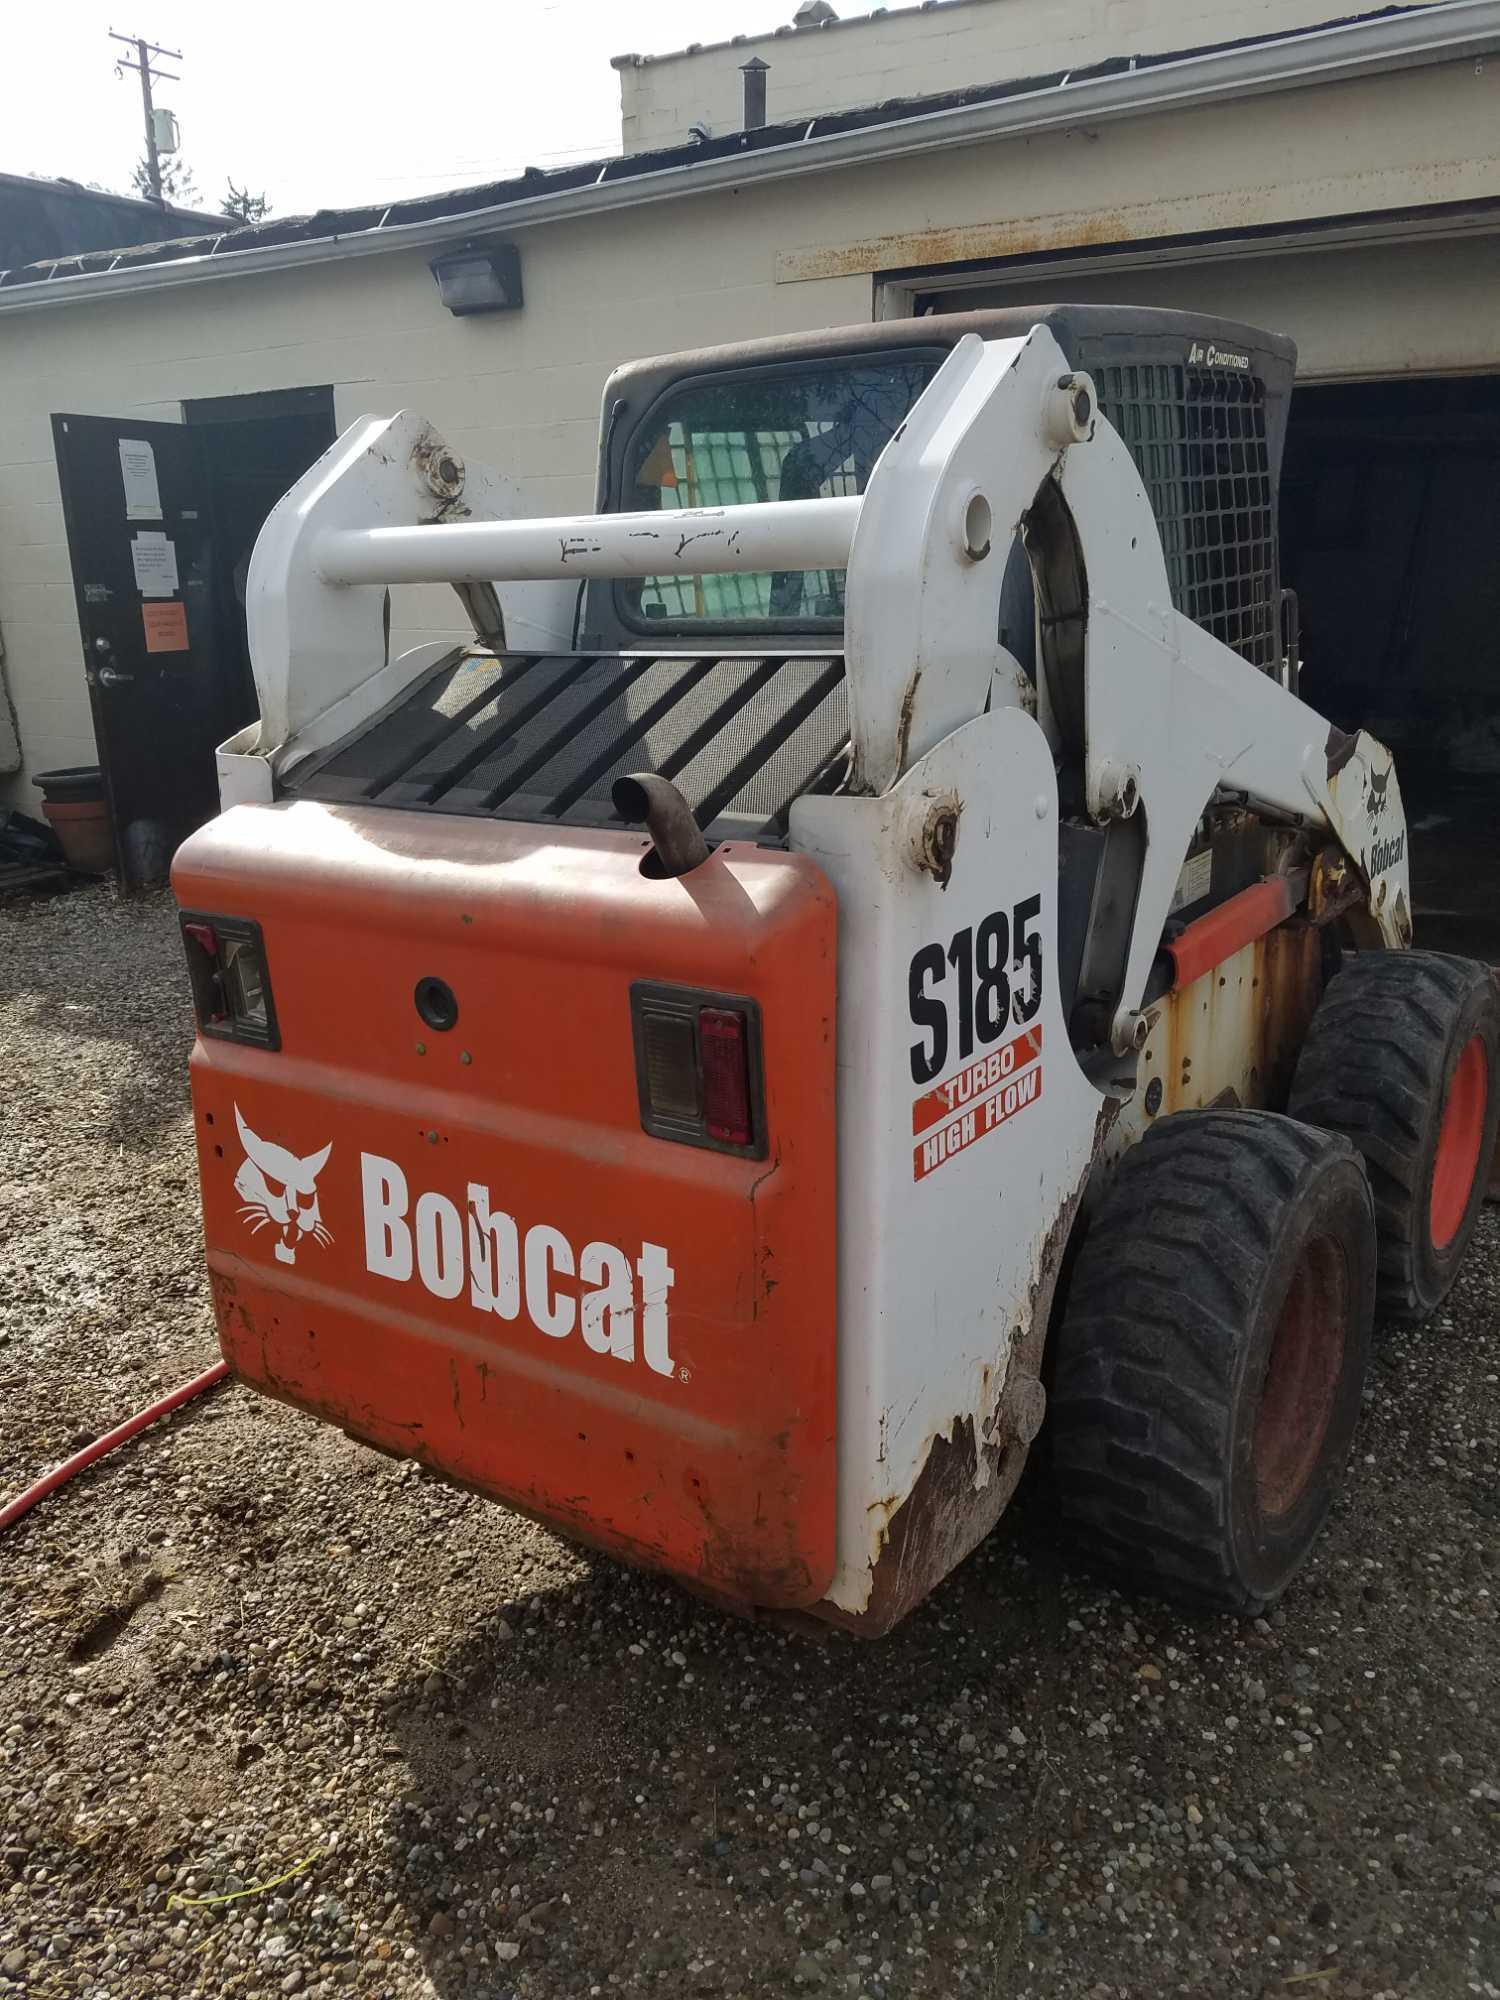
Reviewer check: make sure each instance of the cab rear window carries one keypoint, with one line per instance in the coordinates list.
(789, 434)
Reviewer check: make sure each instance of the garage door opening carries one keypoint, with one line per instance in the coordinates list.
(1390, 510)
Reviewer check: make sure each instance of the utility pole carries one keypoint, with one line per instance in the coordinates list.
(144, 51)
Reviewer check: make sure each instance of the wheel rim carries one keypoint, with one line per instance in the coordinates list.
(1459, 1139)
(1302, 1376)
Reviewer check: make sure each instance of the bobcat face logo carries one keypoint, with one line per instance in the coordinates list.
(279, 1191)
(1375, 793)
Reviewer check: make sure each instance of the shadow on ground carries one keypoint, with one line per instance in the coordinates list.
(613, 1780)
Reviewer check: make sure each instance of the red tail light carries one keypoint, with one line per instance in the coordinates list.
(698, 1068)
(725, 1058)
(231, 984)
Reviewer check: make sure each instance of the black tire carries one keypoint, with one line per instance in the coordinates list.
(1210, 1361)
(1401, 1058)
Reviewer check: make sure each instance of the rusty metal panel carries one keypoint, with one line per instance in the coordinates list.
(1203, 945)
(1230, 1037)
(1211, 1041)
(1292, 981)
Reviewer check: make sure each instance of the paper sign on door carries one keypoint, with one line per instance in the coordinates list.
(166, 627)
(155, 560)
(138, 471)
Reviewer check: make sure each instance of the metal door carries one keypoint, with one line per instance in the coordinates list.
(140, 533)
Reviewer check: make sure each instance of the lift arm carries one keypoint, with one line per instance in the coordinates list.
(1172, 719)
(1004, 441)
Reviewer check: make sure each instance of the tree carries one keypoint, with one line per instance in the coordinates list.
(177, 183)
(243, 206)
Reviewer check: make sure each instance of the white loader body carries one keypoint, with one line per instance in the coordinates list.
(969, 1121)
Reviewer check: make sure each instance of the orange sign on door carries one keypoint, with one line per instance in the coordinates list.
(166, 626)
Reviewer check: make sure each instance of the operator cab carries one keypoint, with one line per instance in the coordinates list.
(1200, 404)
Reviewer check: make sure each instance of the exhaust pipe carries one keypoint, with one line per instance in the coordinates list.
(643, 798)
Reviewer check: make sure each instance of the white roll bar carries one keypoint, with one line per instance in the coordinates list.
(766, 535)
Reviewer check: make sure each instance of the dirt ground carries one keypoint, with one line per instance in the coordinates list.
(426, 1749)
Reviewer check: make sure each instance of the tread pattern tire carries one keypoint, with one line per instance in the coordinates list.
(1166, 1342)
(1376, 1066)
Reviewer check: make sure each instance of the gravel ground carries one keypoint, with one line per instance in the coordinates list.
(430, 1750)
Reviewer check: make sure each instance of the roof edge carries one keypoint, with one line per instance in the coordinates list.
(1117, 89)
(61, 184)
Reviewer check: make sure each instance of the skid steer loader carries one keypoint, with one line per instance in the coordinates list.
(865, 951)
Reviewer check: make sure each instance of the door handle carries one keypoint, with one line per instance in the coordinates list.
(114, 677)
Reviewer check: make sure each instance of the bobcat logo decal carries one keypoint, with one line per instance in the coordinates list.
(279, 1191)
(1375, 793)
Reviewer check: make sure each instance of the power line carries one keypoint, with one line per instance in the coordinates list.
(142, 65)
(495, 166)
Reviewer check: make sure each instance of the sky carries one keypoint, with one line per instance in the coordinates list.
(325, 104)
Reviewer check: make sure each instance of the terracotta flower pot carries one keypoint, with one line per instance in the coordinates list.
(74, 802)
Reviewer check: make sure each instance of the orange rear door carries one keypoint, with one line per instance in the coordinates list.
(458, 1241)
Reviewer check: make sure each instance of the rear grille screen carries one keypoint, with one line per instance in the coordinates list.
(1198, 438)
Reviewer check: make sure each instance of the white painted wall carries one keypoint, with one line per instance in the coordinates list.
(912, 51)
(10, 735)
(521, 391)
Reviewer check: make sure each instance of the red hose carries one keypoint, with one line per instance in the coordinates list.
(61, 1474)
